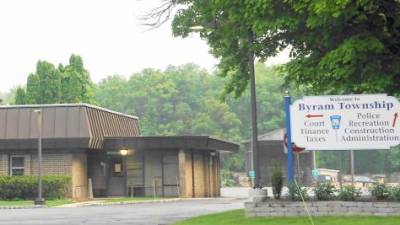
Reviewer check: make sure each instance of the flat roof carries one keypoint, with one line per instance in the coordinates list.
(171, 142)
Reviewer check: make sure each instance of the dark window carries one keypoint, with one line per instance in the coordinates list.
(17, 165)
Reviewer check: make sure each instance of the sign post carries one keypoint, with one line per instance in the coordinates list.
(289, 140)
(352, 167)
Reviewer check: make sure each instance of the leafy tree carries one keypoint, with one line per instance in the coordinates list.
(20, 96)
(65, 84)
(76, 83)
(49, 83)
(32, 89)
(186, 100)
(336, 46)
(111, 92)
(181, 100)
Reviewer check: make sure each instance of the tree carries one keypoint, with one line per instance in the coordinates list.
(43, 86)
(32, 89)
(336, 46)
(20, 96)
(186, 100)
(76, 83)
(64, 84)
(179, 101)
(49, 83)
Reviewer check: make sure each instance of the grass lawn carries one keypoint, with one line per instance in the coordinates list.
(57, 202)
(15, 202)
(49, 203)
(237, 218)
(134, 199)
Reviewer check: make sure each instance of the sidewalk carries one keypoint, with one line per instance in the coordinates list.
(103, 202)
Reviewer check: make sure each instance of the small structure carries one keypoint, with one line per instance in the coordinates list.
(359, 181)
(330, 176)
(271, 152)
(88, 142)
(380, 178)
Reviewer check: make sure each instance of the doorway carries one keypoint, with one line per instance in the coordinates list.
(116, 184)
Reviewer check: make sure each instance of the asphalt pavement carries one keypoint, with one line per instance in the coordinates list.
(135, 214)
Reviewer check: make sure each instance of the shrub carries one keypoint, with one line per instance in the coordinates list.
(380, 192)
(25, 187)
(349, 193)
(227, 178)
(324, 191)
(394, 193)
(277, 182)
(296, 193)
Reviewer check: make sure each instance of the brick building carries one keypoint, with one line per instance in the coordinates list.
(87, 142)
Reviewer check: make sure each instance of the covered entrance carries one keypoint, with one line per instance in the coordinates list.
(177, 166)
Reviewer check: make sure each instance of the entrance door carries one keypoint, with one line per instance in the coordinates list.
(116, 176)
(170, 173)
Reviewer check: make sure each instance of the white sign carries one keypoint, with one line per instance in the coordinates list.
(347, 122)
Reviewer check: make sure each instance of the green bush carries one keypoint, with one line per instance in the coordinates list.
(395, 193)
(349, 193)
(25, 187)
(324, 191)
(277, 182)
(296, 193)
(227, 178)
(381, 192)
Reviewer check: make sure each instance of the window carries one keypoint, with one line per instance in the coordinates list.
(117, 167)
(17, 165)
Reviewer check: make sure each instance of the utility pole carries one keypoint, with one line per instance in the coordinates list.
(40, 200)
(254, 140)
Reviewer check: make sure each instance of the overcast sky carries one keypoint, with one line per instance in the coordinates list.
(107, 34)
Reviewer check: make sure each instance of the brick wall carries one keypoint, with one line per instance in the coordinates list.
(53, 163)
(322, 208)
(3, 164)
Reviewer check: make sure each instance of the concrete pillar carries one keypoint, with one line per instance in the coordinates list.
(218, 175)
(211, 175)
(182, 173)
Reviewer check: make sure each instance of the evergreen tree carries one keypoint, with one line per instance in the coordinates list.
(20, 96)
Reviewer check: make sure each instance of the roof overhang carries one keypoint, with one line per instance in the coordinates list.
(171, 142)
(47, 143)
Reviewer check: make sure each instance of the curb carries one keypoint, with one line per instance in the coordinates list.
(22, 207)
(88, 204)
(129, 202)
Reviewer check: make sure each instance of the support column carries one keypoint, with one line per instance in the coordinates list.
(211, 175)
(182, 173)
(218, 175)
